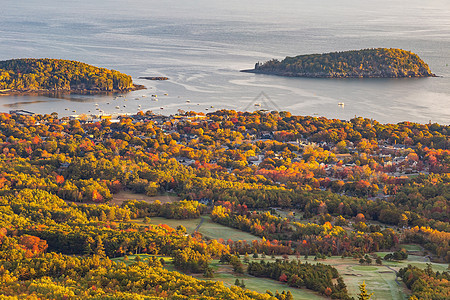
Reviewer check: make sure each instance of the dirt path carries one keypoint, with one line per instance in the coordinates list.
(396, 280)
(199, 224)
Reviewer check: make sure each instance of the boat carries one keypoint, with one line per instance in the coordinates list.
(257, 104)
(154, 95)
(155, 99)
(188, 101)
(341, 103)
(166, 94)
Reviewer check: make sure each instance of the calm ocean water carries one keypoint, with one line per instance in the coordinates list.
(201, 46)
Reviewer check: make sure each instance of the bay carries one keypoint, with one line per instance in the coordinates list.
(201, 46)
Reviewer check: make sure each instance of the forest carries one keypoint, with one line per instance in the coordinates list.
(309, 190)
(59, 75)
(373, 63)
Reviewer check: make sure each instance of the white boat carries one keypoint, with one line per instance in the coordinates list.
(341, 103)
(188, 101)
(117, 107)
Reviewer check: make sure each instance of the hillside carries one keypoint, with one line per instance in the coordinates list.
(370, 63)
(25, 75)
(281, 210)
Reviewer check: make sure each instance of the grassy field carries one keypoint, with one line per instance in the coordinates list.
(380, 280)
(208, 228)
(225, 273)
(123, 196)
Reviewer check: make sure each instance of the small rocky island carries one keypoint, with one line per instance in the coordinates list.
(154, 78)
(25, 76)
(366, 63)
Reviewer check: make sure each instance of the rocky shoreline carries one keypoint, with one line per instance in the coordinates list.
(338, 75)
(135, 87)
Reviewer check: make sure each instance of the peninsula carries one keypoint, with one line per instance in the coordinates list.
(23, 76)
(366, 63)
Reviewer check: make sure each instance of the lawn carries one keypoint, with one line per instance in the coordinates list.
(380, 280)
(208, 228)
(224, 273)
(123, 196)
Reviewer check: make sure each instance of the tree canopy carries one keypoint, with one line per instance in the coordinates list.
(379, 62)
(58, 74)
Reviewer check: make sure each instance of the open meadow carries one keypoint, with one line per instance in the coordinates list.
(379, 279)
(208, 228)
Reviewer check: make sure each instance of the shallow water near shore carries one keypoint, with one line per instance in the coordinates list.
(201, 46)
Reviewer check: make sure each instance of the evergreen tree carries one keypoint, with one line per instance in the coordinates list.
(363, 295)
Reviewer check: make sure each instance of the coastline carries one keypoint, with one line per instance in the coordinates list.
(326, 75)
(135, 87)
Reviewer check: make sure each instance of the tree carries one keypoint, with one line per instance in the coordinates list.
(363, 295)
(100, 248)
(209, 272)
(283, 278)
(379, 261)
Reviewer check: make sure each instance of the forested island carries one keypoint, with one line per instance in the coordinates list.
(366, 63)
(57, 75)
